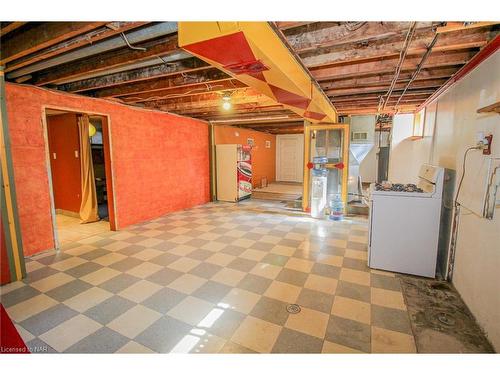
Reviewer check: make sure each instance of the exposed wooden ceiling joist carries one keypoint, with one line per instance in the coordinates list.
(88, 38)
(435, 73)
(41, 36)
(180, 80)
(226, 85)
(353, 90)
(136, 75)
(355, 52)
(286, 124)
(387, 65)
(211, 100)
(286, 25)
(456, 26)
(315, 36)
(7, 27)
(107, 60)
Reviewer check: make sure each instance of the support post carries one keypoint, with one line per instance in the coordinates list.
(211, 145)
(8, 201)
(307, 157)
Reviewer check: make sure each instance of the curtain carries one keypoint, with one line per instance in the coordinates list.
(88, 207)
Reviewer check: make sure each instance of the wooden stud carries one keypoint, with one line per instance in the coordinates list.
(10, 215)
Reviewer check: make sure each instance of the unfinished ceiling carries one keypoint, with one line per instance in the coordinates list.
(363, 67)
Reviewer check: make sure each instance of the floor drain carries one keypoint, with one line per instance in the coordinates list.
(446, 319)
(293, 308)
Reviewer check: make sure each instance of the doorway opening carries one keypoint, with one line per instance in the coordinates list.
(288, 186)
(79, 173)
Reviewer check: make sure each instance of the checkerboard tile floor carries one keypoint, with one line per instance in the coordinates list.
(213, 279)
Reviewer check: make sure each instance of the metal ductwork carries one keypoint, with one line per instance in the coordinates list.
(253, 53)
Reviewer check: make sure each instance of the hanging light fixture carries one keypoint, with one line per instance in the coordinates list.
(226, 101)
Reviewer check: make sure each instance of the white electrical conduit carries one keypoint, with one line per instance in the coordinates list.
(402, 56)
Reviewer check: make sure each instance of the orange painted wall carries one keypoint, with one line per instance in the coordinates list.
(160, 161)
(263, 159)
(66, 179)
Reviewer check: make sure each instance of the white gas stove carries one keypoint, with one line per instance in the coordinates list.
(404, 227)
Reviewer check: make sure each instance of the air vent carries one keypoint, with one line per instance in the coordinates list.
(359, 136)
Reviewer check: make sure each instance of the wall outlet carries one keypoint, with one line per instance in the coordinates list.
(487, 146)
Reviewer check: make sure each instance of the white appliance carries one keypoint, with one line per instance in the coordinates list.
(404, 227)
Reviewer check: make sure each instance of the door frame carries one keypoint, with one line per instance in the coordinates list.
(308, 129)
(278, 158)
(108, 165)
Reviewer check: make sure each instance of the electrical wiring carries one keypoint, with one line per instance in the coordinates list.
(463, 172)
(418, 69)
(456, 217)
(131, 46)
(353, 26)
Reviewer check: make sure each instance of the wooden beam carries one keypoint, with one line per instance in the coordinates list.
(433, 83)
(136, 75)
(423, 92)
(374, 110)
(108, 60)
(346, 33)
(236, 95)
(7, 27)
(425, 82)
(41, 36)
(357, 52)
(226, 85)
(267, 124)
(209, 100)
(374, 103)
(435, 73)
(437, 59)
(76, 42)
(294, 130)
(456, 26)
(236, 109)
(249, 117)
(286, 25)
(206, 76)
(339, 101)
(286, 116)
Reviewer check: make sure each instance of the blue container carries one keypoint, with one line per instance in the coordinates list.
(336, 208)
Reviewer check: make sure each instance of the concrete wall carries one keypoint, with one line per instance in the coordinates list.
(477, 262)
(159, 160)
(263, 159)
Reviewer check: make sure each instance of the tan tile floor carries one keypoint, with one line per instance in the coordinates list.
(70, 230)
(215, 278)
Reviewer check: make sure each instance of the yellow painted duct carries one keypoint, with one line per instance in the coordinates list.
(254, 54)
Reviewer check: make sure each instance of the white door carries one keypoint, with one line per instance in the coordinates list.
(290, 157)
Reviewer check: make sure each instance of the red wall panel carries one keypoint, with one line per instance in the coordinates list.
(66, 178)
(159, 160)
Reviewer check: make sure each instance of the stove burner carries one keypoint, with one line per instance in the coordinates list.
(409, 188)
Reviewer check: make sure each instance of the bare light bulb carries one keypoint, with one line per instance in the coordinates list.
(226, 105)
